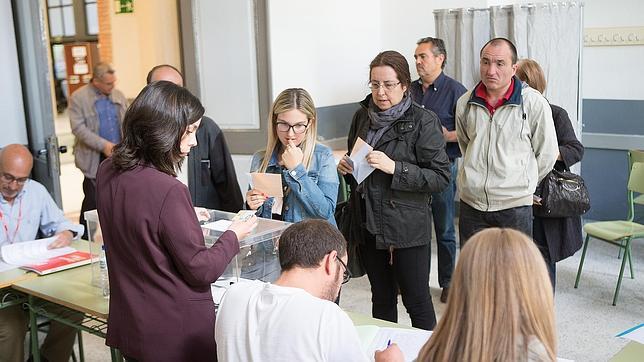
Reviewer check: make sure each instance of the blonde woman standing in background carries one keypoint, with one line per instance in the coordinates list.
(309, 177)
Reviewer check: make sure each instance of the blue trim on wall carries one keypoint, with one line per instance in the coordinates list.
(605, 173)
(605, 170)
(613, 116)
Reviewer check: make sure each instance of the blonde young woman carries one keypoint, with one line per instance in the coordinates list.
(500, 306)
(309, 177)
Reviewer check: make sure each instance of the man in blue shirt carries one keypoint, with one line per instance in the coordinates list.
(26, 208)
(439, 93)
(96, 112)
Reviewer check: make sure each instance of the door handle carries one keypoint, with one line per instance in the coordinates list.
(43, 151)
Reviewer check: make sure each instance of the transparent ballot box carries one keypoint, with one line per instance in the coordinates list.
(95, 244)
(258, 258)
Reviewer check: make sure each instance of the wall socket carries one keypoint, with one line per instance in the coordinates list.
(594, 37)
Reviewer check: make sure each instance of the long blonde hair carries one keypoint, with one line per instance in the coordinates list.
(289, 99)
(500, 297)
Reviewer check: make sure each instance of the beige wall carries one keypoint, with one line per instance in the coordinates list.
(143, 39)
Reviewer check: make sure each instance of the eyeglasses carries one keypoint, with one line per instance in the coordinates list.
(297, 128)
(9, 178)
(347, 274)
(374, 86)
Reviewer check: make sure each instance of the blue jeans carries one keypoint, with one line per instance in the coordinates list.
(443, 215)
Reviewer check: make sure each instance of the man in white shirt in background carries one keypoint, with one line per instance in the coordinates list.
(26, 208)
(295, 318)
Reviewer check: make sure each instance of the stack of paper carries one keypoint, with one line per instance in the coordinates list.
(34, 255)
(410, 341)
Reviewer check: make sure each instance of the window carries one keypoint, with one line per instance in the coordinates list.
(72, 20)
(91, 17)
(61, 18)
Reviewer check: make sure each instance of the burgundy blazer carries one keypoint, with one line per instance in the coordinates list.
(160, 270)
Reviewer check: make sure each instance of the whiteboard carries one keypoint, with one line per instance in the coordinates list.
(226, 60)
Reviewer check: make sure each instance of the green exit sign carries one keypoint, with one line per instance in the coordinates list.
(123, 6)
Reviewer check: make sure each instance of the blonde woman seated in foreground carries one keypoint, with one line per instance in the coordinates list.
(500, 305)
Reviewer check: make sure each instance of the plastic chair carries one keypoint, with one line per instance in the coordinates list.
(636, 156)
(620, 232)
(633, 157)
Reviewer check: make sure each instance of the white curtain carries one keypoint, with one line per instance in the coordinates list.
(549, 33)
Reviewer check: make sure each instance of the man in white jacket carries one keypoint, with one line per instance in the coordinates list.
(508, 141)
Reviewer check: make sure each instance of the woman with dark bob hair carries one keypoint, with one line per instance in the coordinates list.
(160, 270)
(390, 209)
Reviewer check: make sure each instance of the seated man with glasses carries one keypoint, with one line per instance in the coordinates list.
(26, 208)
(295, 318)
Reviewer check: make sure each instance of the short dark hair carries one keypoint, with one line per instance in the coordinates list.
(153, 126)
(304, 244)
(148, 79)
(438, 47)
(396, 61)
(496, 41)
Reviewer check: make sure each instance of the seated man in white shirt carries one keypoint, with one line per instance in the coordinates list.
(295, 318)
(26, 208)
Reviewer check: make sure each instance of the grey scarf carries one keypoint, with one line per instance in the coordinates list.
(381, 121)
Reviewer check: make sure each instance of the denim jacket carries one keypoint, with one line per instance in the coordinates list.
(312, 194)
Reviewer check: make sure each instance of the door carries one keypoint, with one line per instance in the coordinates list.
(35, 73)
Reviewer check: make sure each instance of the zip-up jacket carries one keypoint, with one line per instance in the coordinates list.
(397, 207)
(506, 154)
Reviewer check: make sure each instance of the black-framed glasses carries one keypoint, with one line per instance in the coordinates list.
(347, 274)
(9, 178)
(374, 86)
(297, 128)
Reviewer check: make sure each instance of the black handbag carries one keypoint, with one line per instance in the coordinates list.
(563, 194)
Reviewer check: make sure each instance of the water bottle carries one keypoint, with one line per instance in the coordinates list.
(102, 266)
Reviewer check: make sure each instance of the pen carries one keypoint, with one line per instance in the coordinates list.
(388, 343)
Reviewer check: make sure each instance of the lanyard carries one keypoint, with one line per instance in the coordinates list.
(6, 227)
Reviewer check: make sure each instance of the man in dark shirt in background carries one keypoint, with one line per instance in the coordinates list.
(211, 176)
(439, 93)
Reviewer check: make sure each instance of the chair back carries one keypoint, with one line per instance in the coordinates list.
(635, 156)
(636, 179)
(635, 185)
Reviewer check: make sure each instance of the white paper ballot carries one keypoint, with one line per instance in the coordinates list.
(219, 225)
(32, 252)
(410, 341)
(358, 160)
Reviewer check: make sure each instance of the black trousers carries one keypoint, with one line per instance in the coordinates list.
(472, 220)
(539, 235)
(407, 273)
(89, 202)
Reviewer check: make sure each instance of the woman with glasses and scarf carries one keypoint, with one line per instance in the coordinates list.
(309, 177)
(390, 209)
